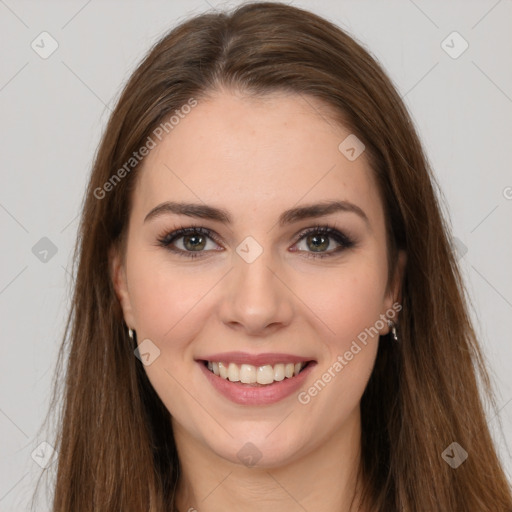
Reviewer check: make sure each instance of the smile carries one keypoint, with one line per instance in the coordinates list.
(261, 379)
(259, 375)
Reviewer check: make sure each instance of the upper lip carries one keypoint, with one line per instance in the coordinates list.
(255, 359)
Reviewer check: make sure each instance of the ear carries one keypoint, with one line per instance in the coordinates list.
(120, 283)
(394, 295)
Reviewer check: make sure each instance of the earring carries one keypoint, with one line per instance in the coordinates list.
(130, 333)
(392, 326)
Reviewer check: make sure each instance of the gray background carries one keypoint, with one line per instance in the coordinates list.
(53, 111)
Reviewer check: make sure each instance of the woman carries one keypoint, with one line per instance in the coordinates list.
(267, 311)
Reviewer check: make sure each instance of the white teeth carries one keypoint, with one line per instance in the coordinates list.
(279, 372)
(250, 374)
(247, 374)
(223, 370)
(233, 372)
(265, 374)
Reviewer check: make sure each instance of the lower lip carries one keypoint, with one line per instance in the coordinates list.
(245, 394)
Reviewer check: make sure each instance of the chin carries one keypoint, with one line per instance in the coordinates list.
(256, 448)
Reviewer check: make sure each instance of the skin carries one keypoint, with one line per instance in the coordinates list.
(257, 158)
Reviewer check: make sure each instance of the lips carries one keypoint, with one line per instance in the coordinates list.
(260, 379)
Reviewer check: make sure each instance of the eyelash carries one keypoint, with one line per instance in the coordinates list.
(167, 238)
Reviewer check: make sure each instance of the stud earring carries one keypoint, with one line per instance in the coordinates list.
(130, 333)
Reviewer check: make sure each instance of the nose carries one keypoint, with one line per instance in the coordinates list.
(256, 299)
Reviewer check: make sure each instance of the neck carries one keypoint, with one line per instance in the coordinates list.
(324, 479)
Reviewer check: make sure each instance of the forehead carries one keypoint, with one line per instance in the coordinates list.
(256, 154)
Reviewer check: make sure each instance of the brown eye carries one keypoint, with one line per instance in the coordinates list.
(191, 242)
(318, 240)
(194, 242)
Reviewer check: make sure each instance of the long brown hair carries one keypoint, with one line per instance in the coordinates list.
(115, 444)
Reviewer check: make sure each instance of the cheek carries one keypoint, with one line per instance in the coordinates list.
(350, 306)
(164, 298)
(348, 301)
(169, 307)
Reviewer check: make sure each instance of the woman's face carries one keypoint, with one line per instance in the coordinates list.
(252, 290)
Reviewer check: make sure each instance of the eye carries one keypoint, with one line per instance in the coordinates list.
(189, 242)
(318, 239)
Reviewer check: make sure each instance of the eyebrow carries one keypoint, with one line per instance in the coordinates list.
(290, 216)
